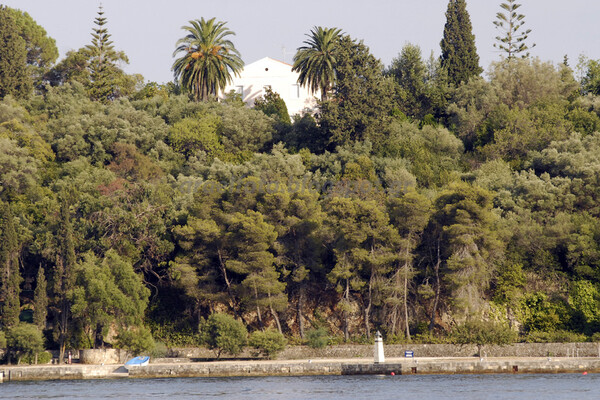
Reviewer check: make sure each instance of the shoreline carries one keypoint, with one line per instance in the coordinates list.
(360, 366)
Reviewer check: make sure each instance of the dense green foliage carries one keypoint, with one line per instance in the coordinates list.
(362, 102)
(482, 333)
(317, 338)
(14, 77)
(267, 343)
(24, 340)
(137, 340)
(418, 200)
(273, 105)
(41, 49)
(11, 279)
(223, 334)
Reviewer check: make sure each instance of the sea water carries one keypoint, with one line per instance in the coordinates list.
(417, 387)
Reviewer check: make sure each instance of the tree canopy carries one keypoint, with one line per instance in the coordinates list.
(14, 77)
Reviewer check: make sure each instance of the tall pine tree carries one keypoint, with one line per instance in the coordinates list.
(511, 42)
(106, 77)
(459, 54)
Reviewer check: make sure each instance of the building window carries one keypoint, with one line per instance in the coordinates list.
(295, 91)
(239, 90)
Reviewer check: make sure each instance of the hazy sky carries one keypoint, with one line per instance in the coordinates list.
(148, 29)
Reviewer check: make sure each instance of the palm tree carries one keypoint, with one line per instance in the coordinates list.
(209, 58)
(316, 61)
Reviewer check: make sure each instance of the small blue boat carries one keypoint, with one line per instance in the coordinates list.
(138, 362)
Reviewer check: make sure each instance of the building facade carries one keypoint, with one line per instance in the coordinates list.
(268, 72)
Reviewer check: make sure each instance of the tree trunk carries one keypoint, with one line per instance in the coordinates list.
(299, 307)
(63, 330)
(276, 317)
(406, 303)
(406, 267)
(98, 338)
(347, 297)
(395, 307)
(437, 289)
(368, 308)
(323, 95)
(234, 304)
(258, 313)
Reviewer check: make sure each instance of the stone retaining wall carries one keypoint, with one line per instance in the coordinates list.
(403, 366)
(420, 350)
(103, 356)
(52, 372)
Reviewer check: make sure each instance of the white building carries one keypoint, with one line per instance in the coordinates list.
(277, 75)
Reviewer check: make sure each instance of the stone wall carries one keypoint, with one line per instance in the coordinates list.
(420, 350)
(103, 356)
(404, 366)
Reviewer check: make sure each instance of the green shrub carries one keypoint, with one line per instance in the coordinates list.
(559, 336)
(537, 337)
(317, 338)
(396, 339)
(223, 334)
(429, 338)
(482, 333)
(174, 335)
(269, 342)
(160, 350)
(42, 358)
(567, 337)
(137, 340)
(24, 340)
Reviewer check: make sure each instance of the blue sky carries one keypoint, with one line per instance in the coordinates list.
(148, 29)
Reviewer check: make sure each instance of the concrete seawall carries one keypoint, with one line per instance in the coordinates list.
(399, 366)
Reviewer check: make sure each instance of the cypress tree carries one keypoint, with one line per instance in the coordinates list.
(64, 276)
(459, 54)
(40, 300)
(14, 76)
(9, 264)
